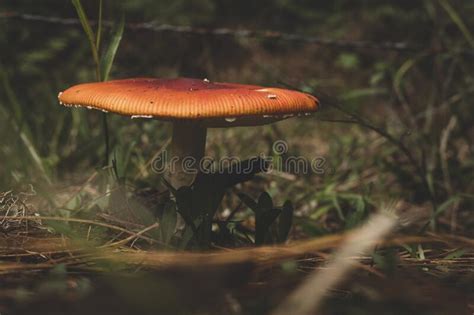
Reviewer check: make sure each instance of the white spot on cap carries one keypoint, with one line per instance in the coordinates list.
(141, 116)
(230, 119)
(272, 96)
(206, 80)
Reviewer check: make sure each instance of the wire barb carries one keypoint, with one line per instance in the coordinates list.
(154, 26)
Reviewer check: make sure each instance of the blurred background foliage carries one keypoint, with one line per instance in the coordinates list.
(420, 94)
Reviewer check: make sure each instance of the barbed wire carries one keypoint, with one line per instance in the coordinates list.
(154, 26)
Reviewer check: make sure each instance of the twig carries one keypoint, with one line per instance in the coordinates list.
(261, 256)
(84, 221)
(133, 236)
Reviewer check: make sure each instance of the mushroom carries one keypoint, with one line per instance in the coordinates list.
(192, 106)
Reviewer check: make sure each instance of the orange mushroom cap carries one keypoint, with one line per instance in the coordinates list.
(216, 104)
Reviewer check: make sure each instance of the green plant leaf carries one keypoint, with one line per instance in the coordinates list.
(88, 30)
(458, 21)
(109, 56)
(263, 221)
(121, 159)
(336, 204)
(312, 229)
(406, 66)
(248, 202)
(190, 234)
(168, 222)
(22, 129)
(456, 254)
(356, 218)
(184, 203)
(186, 237)
(285, 221)
(265, 202)
(63, 228)
(320, 211)
(356, 94)
(99, 25)
(386, 260)
(74, 203)
(348, 61)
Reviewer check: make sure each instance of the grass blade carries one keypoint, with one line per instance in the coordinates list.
(99, 26)
(458, 21)
(89, 32)
(109, 56)
(21, 129)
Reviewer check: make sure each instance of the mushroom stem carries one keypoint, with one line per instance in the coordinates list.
(188, 144)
